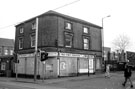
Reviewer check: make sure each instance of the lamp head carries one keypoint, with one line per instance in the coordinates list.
(109, 16)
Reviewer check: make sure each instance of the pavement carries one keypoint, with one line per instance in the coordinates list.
(49, 81)
(67, 82)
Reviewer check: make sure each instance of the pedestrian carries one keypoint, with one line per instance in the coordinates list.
(107, 74)
(127, 75)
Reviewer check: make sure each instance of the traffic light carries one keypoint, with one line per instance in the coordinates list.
(43, 56)
(15, 58)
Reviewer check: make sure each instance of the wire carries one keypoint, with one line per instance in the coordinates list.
(53, 9)
(7, 26)
(66, 4)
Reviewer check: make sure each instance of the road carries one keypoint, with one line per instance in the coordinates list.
(99, 82)
(21, 85)
(115, 82)
(12, 86)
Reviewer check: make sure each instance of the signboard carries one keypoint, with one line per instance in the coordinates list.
(49, 67)
(76, 55)
(26, 55)
(60, 54)
(83, 70)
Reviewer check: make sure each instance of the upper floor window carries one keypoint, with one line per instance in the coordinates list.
(68, 40)
(33, 25)
(11, 52)
(6, 52)
(21, 29)
(68, 25)
(85, 29)
(86, 43)
(33, 40)
(20, 43)
(0, 51)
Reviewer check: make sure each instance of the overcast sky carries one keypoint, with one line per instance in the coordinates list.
(122, 18)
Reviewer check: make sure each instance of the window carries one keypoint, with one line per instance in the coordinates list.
(21, 30)
(33, 25)
(68, 40)
(33, 40)
(85, 29)
(3, 66)
(0, 51)
(86, 43)
(20, 43)
(6, 52)
(68, 25)
(11, 52)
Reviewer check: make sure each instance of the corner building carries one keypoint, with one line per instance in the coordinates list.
(74, 46)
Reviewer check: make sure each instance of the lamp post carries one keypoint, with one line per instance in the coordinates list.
(36, 47)
(103, 37)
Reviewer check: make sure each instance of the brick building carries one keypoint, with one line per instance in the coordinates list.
(74, 46)
(6, 56)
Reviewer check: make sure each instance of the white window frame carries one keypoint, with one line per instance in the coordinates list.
(71, 40)
(85, 30)
(11, 52)
(33, 25)
(68, 25)
(85, 43)
(20, 43)
(32, 37)
(6, 52)
(21, 30)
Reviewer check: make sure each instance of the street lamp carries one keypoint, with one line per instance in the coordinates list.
(36, 47)
(103, 37)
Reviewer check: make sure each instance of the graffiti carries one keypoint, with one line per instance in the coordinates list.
(62, 65)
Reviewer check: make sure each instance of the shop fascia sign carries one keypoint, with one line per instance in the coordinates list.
(27, 55)
(33, 54)
(60, 54)
(76, 55)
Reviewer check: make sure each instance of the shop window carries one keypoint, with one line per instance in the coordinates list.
(68, 40)
(20, 43)
(33, 40)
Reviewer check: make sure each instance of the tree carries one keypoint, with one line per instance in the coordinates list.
(121, 43)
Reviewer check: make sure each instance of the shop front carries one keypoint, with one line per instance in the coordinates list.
(6, 66)
(57, 65)
(74, 64)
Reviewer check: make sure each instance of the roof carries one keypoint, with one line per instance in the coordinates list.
(6, 42)
(51, 12)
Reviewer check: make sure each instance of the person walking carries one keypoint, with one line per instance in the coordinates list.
(107, 74)
(127, 75)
